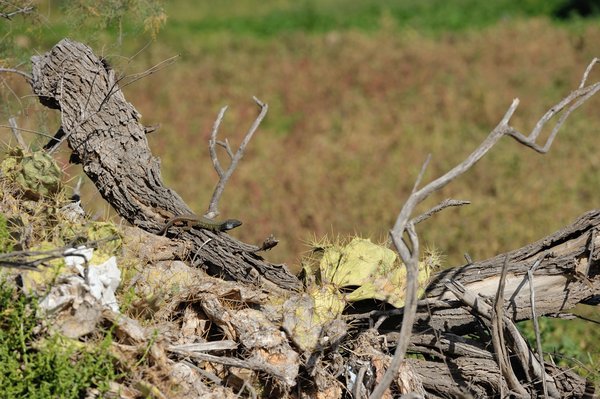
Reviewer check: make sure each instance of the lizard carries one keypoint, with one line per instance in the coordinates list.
(200, 221)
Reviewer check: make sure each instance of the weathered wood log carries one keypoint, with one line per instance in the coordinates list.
(106, 136)
(569, 272)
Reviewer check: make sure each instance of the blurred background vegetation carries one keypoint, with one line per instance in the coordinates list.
(359, 92)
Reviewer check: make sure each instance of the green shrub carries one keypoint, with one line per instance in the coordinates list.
(569, 343)
(5, 240)
(34, 365)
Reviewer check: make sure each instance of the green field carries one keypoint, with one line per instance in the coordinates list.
(359, 94)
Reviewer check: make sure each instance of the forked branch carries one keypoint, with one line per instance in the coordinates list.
(405, 225)
(224, 175)
(569, 104)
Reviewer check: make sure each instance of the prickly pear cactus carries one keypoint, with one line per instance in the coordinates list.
(36, 172)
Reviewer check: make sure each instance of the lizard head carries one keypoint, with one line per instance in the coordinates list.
(230, 224)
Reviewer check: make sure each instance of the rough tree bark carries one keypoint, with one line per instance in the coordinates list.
(105, 134)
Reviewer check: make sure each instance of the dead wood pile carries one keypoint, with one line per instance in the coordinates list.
(224, 334)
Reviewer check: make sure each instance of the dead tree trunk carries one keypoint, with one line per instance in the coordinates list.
(106, 136)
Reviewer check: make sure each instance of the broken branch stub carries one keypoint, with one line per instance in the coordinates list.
(105, 134)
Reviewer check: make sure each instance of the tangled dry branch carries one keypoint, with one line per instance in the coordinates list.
(404, 225)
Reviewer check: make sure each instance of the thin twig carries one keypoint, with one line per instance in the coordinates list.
(358, 383)
(206, 374)
(28, 131)
(421, 173)
(19, 10)
(225, 145)
(24, 74)
(448, 202)
(536, 325)
(468, 258)
(10, 89)
(574, 100)
(30, 260)
(498, 336)
(56, 141)
(15, 131)
(249, 388)
(234, 362)
(586, 74)
(224, 175)
(410, 258)
(115, 88)
(153, 69)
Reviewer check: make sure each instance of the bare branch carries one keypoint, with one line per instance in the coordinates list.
(224, 175)
(30, 260)
(358, 383)
(250, 364)
(133, 77)
(519, 347)
(586, 74)
(152, 128)
(404, 224)
(419, 196)
(574, 100)
(225, 145)
(213, 141)
(153, 69)
(61, 136)
(410, 257)
(421, 173)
